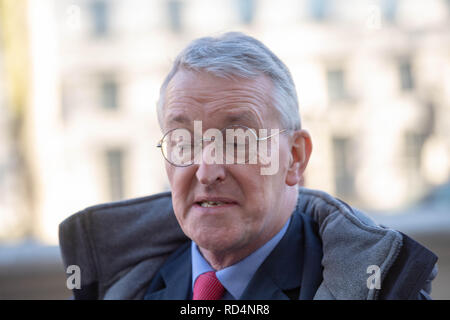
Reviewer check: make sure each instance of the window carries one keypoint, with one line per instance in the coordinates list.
(413, 145)
(318, 9)
(246, 11)
(109, 92)
(336, 86)
(414, 142)
(429, 119)
(406, 77)
(389, 9)
(114, 164)
(65, 103)
(100, 11)
(175, 8)
(344, 177)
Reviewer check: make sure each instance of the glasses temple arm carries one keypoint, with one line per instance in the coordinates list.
(265, 138)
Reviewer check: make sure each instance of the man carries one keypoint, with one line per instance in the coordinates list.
(252, 234)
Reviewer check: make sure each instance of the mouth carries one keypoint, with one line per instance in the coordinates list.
(209, 204)
(214, 202)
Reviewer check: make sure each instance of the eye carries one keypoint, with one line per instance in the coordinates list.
(183, 146)
(235, 144)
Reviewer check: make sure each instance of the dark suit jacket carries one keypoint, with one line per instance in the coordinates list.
(291, 271)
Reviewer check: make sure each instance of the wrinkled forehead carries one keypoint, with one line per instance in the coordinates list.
(218, 102)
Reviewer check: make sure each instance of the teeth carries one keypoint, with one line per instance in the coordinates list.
(207, 204)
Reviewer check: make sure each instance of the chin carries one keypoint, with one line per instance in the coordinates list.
(215, 241)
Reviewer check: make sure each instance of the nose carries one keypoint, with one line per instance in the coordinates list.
(208, 173)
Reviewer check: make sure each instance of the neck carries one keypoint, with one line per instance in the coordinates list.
(221, 260)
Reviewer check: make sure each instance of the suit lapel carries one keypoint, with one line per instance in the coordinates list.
(312, 259)
(175, 277)
(263, 287)
(280, 274)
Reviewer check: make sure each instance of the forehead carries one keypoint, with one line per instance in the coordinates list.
(201, 96)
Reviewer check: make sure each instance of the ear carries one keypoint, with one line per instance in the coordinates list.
(300, 152)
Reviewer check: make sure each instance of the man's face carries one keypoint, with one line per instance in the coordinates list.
(251, 209)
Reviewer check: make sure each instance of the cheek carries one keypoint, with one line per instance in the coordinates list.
(169, 172)
(255, 188)
(180, 180)
(261, 192)
(247, 177)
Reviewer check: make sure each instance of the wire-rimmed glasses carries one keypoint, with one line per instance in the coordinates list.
(235, 144)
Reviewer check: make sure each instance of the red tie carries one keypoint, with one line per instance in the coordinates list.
(208, 287)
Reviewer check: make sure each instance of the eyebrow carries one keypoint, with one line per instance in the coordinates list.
(242, 118)
(180, 118)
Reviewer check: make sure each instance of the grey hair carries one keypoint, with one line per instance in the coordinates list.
(235, 54)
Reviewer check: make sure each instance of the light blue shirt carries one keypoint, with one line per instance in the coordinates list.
(236, 277)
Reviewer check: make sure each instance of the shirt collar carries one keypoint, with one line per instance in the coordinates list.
(236, 277)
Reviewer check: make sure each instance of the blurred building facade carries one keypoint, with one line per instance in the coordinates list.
(372, 79)
(79, 81)
(16, 213)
